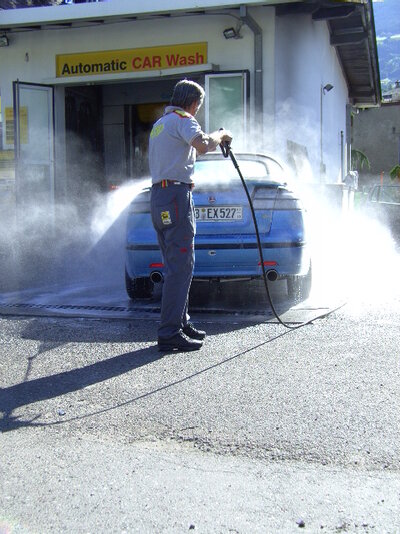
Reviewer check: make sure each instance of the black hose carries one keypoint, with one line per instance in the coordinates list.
(227, 152)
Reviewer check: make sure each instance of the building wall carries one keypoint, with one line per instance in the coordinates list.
(297, 60)
(43, 46)
(305, 62)
(376, 132)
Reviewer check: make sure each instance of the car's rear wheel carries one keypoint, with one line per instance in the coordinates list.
(138, 288)
(299, 287)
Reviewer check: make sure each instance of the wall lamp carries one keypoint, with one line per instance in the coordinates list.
(233, 33)
(4, 40)
(322, 170)
(326, 88)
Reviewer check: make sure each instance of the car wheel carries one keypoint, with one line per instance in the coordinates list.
(138, 288)
(299, 287)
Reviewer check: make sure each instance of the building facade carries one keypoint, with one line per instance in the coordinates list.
(81, 85)
(376, 132)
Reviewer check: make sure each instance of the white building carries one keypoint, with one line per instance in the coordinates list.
(88, 80)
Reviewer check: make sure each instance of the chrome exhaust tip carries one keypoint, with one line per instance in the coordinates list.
(156, 277)
(272, 275)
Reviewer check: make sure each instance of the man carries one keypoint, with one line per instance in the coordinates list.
(174, 141)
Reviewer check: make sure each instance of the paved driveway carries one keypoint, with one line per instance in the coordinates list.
(263, 430)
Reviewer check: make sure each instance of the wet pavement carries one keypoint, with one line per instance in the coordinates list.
(231, 301)
(263, 430)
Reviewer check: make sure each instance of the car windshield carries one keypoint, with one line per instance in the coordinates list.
(389, 194)
(223, 171)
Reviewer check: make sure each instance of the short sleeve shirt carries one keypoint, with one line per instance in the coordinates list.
(171, 155)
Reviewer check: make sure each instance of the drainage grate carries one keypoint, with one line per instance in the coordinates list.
(126, 309)
(74, 307)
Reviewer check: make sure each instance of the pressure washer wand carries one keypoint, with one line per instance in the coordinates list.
(227, 152)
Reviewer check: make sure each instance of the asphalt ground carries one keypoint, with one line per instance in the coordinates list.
(263, 430)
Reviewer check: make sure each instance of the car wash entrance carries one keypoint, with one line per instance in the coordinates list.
(106, 134)
(90, 138)
(107, 126)
(86, 174)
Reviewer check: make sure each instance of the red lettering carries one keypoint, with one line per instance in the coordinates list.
(157, 61)
(136, 63)
(172, 60)
(146, 63)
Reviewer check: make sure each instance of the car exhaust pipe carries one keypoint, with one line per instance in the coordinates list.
(272, 275)
(156, 277)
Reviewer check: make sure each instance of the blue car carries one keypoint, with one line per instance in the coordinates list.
(225, 243)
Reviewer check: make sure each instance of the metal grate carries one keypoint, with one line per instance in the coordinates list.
(126, 309)
(73, 307)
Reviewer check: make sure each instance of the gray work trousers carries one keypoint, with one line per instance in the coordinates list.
(172, 213)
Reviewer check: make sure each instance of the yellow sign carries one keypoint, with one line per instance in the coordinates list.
(6, 155)
(7, 170)
(23, 124)
(134, 60)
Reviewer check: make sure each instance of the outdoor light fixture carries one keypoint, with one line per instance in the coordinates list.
(322, 168)
(233, 33)
(326, 88)
(4, 40)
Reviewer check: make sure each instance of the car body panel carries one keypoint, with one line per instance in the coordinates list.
(228, 248)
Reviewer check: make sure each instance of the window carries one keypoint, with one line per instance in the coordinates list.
(226, 105)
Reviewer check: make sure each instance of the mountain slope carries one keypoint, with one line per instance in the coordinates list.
(387, 27)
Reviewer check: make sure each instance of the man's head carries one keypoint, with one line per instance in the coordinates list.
(187, 94)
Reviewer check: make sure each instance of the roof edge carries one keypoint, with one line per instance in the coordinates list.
(14, 18)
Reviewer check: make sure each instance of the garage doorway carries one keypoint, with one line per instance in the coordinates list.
(107, 127)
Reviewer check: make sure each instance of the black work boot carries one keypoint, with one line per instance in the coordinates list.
(193, 333)
(178, 342)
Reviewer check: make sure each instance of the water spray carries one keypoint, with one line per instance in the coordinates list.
(227, 152)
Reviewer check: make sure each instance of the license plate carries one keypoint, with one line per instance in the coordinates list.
(218, 213)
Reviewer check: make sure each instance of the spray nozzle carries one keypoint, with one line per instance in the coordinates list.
(225, 146)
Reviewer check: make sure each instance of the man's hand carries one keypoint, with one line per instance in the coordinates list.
(226, 136)
(207, 143)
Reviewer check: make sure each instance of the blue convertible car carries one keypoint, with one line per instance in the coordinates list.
(225, 243)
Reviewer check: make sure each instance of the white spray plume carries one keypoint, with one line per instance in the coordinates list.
(109, 207)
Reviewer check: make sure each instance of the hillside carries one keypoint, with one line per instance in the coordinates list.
(387, 27)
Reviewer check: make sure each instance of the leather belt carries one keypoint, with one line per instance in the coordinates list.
(166, 183)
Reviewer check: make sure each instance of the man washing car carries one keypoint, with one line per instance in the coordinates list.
(174, 141)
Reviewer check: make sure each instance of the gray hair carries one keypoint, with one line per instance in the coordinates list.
(186, 92)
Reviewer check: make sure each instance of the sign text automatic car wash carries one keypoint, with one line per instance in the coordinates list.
(132, 60)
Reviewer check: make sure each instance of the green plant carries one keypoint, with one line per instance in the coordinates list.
(359, 160)
(395, 172)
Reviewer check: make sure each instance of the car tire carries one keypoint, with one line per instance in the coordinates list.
(299, 287)
(138, 288)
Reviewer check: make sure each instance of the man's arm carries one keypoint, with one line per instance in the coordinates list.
(207, 143)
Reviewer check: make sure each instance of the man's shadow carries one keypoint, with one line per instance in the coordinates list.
(48, 387)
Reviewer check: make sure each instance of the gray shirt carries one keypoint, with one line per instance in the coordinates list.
(171, 155)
